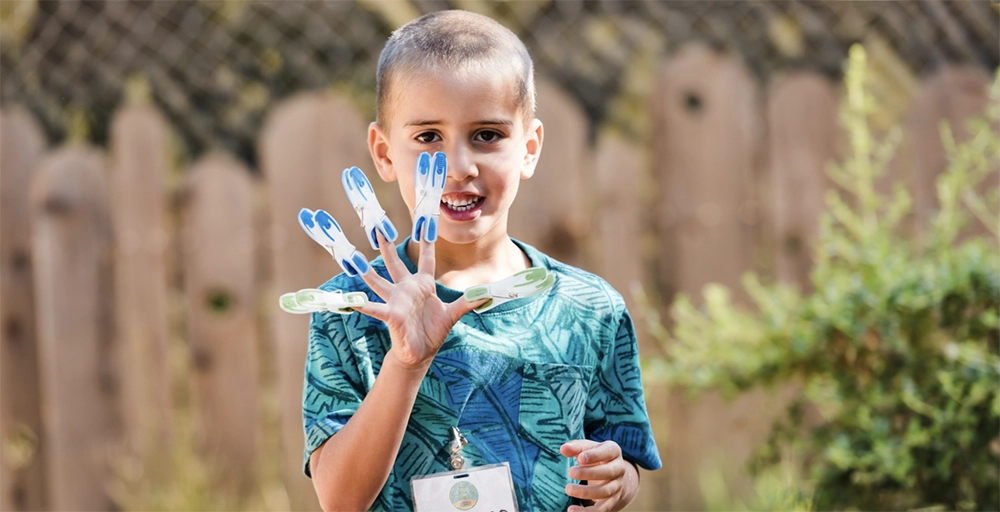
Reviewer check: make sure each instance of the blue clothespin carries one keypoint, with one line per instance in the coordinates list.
(429, 179)
(324, 230)
(362, 196)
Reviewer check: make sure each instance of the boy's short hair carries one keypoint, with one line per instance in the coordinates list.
(455, 40)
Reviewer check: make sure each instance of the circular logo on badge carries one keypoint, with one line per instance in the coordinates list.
(463, 495)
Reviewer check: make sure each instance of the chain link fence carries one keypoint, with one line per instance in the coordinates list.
(214, 68)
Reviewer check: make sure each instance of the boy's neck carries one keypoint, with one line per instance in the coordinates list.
(460, 266)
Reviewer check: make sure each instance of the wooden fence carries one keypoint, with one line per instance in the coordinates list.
(98, 246)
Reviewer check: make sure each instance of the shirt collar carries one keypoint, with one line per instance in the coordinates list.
(447, 294)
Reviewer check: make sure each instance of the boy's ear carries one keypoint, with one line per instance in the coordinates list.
(533, 148)
(378, 146)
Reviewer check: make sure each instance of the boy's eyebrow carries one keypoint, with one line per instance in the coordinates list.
(502, 122)
(431, 122)
(423, 122)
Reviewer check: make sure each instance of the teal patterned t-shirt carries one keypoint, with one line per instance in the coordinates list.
(518, 380)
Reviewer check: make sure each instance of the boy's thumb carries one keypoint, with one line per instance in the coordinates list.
(460, 307)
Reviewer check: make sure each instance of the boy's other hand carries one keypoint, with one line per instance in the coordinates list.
(417, 319)
(611, 481)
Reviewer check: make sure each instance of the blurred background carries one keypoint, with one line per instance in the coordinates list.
(154, 155)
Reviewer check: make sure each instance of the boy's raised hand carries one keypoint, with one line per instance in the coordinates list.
(611, 480)
(418, 320)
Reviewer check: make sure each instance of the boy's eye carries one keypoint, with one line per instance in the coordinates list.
(428, 137)
(488, 136)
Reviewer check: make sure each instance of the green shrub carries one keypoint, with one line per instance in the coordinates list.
(777, 488)
(896, 347)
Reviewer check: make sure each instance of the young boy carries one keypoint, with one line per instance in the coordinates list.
(549, 384)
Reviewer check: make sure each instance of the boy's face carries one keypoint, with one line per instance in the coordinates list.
(471, 117)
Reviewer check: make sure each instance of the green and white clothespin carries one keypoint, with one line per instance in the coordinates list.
(523, 284)
(312, 300)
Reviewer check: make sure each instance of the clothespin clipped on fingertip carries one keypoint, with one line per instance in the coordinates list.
(324, 230)
(362, 196)
(523, 284)
(428, 178)
(311, 300)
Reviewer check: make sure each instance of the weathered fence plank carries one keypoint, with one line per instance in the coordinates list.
(619, 211)
(79, 360)
(954, 94)
(218, 242)
(802, 128)
(306, 143)
(140, 159)
(6, 427)
(22, 476)
(621, 203)
(707, 135)
(551, 210)
(707, 131)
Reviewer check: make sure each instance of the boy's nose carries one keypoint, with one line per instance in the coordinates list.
(461, 165)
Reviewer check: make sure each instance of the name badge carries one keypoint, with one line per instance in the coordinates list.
(480, 489)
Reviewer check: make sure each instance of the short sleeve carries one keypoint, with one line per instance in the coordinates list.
(616, 408)
(333, 387)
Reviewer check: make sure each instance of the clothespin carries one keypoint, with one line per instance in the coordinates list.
(312, 300)
(362, 196)
(429, 178)
(523, 284)
(324, 230)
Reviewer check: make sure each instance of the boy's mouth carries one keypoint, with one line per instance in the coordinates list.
(461, 207)
(462, 204)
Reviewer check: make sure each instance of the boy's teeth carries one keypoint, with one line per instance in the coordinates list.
(465, 203)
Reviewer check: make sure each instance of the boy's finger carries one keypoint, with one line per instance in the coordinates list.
(459, 308)
(603, 452)
(599, 472)
(575, 447)
(594, 490)
(397, 269)
(376, 310)
(427, 263)
(380, 285)
(600, 506)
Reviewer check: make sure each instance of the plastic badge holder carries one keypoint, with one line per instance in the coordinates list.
(325, 231)
(429, 181)
(523, 284)
(311, 300)
(361, 194)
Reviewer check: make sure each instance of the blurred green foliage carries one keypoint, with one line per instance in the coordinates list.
(180, 479)
(896, 347)
(778, 488)
(179, 476)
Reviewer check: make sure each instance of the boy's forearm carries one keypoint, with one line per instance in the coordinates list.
(351, 467)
